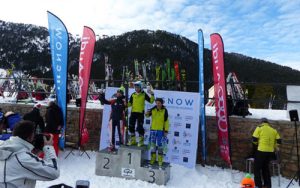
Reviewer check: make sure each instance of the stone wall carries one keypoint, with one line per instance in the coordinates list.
(241, 130)
(93, 119)
(240, 136)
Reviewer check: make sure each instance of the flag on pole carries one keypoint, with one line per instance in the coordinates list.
(201, 92)
(88, 41)
(217, 50)
(59, 44)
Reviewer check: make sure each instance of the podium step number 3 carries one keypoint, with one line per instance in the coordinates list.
(130, 162)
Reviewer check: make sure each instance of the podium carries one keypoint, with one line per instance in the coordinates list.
(130, 162)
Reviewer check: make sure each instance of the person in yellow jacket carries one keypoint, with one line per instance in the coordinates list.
(267, 140)
(158, 131)
(137, 104)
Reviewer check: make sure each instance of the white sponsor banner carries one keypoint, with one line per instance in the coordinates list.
(293, 98)
(183, 109)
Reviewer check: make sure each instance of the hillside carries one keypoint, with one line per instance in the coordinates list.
(25, 47)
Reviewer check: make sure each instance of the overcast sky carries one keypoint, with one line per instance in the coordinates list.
(262, 29)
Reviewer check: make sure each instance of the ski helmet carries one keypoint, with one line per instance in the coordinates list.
(138, 84)
(247, 182)
(120, 91)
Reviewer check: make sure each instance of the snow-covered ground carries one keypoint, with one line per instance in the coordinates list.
(77, 167)
(81, 168)
(210, 111)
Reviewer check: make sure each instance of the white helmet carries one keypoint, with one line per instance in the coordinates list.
(138, 84)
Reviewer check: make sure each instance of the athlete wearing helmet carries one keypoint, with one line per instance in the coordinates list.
(137, 104)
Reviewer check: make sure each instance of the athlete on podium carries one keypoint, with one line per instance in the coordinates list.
(137, 104)
(158, 131)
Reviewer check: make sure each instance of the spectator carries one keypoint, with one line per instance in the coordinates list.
(35, 116)
(266, 138)
(21, 168)
(54, 122)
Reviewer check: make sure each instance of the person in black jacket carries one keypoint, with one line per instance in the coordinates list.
(117, 115)
(54, 122)
(35, 117)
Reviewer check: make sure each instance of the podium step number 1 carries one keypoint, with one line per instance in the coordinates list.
(130, 162)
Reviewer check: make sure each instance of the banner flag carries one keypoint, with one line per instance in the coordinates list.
(217, 50)
(59, 44)
(201, 92)
(88, 41)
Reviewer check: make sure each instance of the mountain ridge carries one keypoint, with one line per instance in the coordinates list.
(26, 47)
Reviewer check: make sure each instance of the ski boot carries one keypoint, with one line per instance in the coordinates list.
(141, 141)
(132, 141)
(160, 161)
(152, 160)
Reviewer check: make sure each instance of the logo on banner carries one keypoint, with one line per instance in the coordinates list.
(128, 172)
(176, 141)
(185, 159)
(186, 151)
(148, 121)
(187, 143)
(188, 118)
(175, 150)
(176, 133)
(177, 124)
(178, 117)
(179, 102)
(174, 157)
(187, 134)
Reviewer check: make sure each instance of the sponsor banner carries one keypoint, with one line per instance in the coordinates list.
(201, 92)
(59, 45)
(292, 92)
(85, 62)
(128, 172)
(217, 50)
(183, 109)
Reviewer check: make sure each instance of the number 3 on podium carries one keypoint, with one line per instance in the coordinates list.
(152, 176)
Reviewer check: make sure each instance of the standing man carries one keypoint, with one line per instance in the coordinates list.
(54, 122)
(137, 103)
(21, 168)
(267, 139)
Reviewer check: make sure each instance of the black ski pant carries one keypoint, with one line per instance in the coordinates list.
(261, 167)
(139, 118)
(114, 124)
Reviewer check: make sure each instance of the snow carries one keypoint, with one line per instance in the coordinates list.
(257, 113)
(77, 167)
(209, 110)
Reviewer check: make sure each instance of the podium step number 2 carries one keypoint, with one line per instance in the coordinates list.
(130, 162)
